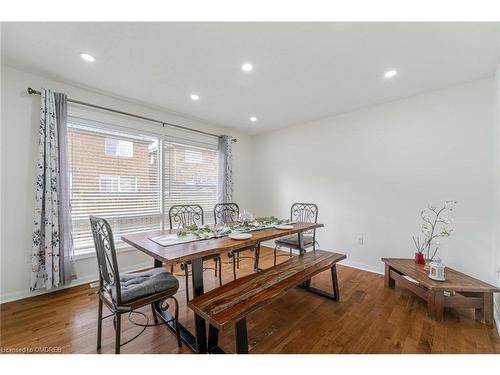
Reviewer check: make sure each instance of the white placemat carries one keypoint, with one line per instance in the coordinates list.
(173, 239)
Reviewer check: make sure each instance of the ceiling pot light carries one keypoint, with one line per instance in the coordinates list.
(390, 73)
(247, 67)
(253, 119)
(87, 57)
(194, 97)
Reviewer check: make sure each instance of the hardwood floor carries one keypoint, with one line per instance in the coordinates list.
(368, 319)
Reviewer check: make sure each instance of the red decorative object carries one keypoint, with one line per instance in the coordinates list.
(419, 258)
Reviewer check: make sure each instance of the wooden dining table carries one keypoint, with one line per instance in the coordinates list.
(195, 252)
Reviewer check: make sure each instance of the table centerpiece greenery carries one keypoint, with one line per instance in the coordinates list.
(207, 231)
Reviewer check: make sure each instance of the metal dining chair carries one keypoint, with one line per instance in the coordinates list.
(302, 212)
(226, 213)
(125, 292)
(181, 216)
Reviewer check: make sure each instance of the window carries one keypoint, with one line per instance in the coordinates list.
(119, 147)
(193, 156)
(117, 184)
(191, 182)
(135, 191)
(125, 191)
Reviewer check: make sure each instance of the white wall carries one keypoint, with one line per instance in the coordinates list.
(371, 172)
(19, 117)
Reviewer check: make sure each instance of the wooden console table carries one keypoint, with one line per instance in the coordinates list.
(462, 291)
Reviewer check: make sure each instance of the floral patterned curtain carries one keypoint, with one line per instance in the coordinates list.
(48, 247)
(225, 188)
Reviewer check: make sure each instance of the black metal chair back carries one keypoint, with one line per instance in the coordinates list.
(306, 213)
(182, 215)
(109, 275)
(226, 212)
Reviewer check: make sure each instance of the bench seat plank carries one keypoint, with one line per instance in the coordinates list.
(235, 300)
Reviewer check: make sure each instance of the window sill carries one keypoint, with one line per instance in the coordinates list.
(91, 254)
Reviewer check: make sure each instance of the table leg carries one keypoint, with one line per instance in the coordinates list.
(389, 283)
(435, 304)
(439, 304)
(200, 328)
(302, 250)
(257, 258)
(488, 308)
(186, 336)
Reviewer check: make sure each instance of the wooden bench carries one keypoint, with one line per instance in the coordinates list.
(232, 302)
(462, 291)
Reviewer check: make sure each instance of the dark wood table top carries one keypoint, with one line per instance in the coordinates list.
(455, 280)
(238, 298)
(191, 250)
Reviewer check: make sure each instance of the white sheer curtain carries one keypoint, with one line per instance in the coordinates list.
(51, 249)
(225, 180)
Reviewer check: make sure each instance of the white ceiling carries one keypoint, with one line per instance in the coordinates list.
(302, 71)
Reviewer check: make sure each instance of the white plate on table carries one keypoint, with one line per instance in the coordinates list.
(283, 227)
(240, 236)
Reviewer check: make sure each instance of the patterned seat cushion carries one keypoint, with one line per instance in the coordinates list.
(293, 241)
(140, 284)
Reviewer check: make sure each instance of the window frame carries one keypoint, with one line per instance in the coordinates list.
(106, 122)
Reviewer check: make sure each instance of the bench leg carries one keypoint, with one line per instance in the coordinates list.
(241, 337)
(213, 337)
(335, 283)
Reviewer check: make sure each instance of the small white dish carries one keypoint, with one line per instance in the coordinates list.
(240, 236)
(283, 227)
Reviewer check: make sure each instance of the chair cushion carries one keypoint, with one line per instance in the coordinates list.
(140, 284)
(293, 241)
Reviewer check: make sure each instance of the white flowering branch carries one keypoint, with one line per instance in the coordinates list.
(435, 225)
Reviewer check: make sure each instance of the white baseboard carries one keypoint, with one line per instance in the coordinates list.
(21, 294)
(347, 262)
(362, 266)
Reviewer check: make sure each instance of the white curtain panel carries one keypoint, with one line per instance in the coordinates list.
(225, 188)
(52, 248)
(66, 248)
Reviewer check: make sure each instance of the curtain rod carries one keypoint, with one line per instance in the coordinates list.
(163, 123)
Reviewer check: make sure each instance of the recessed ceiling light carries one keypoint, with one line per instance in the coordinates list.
(247, 67)
(253, 119)
(194, 97)
(87, 57)
(390, 73)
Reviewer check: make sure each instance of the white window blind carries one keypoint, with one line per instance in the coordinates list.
(125, 190)
(132, 177)
(190, 175)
